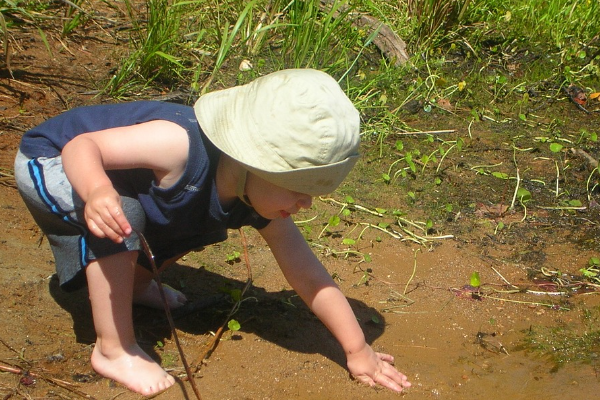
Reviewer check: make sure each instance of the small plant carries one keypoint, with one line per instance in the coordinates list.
(156, 45)
(432, 18)
(310, 34)
(475, 279)
(74, 16)
(592, 270)
(234, 325)
(233, 257)
(365, 277)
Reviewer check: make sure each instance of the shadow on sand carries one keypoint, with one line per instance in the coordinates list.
(278, 317)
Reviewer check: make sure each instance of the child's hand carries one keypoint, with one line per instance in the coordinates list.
(104, 214)
(373, 368)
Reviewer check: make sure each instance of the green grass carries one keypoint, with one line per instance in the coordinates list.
(474, 60)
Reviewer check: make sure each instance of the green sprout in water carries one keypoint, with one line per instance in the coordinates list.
(475, 279)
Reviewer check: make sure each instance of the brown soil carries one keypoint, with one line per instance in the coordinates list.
(410, 298)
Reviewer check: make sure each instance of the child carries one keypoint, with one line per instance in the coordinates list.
(249, 155)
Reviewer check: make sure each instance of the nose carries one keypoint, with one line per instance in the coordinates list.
(305, 201)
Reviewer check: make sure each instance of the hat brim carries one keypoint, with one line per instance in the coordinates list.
(314, 181)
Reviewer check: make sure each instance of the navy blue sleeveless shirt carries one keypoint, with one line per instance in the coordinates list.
(181, 218)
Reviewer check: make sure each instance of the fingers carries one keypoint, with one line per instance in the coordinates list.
(383, 373)
(386, 357)
(105, 217)
(390, 378)
(106, 225)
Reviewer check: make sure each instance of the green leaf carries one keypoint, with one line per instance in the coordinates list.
(500, 175)
(236, 294)
(475, 280)
(349, 242)
(233, 325)
(349, 200)
(334, 220)
(523, 194)
(411, 164)
(575, 203)
(169, 58)
(588, 273)
(594, 261)
(555, 147)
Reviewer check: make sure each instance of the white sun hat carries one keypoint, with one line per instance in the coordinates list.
(294, 128)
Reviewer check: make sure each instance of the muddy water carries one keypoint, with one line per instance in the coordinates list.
(458, 348)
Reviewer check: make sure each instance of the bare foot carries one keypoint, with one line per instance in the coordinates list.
(132, 368)
(149, 296)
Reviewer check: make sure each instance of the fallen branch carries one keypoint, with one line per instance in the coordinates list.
(387, 41)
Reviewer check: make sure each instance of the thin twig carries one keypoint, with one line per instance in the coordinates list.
(502, 277)
(53, 381)
(533, 303)
(212, 345)
(413, 272)
(426, 132)
(514, 199)
(150, 256)
(356, 206)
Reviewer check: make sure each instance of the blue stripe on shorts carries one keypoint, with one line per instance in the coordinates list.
(36, 172)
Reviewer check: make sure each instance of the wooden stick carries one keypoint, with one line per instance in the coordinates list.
(150, 256)
(212, 345)
(63, 384)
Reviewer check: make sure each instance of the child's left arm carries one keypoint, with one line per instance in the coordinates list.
(314, 285)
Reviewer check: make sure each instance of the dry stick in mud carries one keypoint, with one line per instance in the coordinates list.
(34, 375)
(212, 345)
(150, 256)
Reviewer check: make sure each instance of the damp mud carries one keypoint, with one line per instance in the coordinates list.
(477, 292)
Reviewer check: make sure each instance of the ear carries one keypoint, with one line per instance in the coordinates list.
(240, 189)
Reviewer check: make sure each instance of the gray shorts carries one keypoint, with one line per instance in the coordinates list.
(58, 210)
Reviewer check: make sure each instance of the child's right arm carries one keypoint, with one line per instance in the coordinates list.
(314, 285)
(158, 145)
